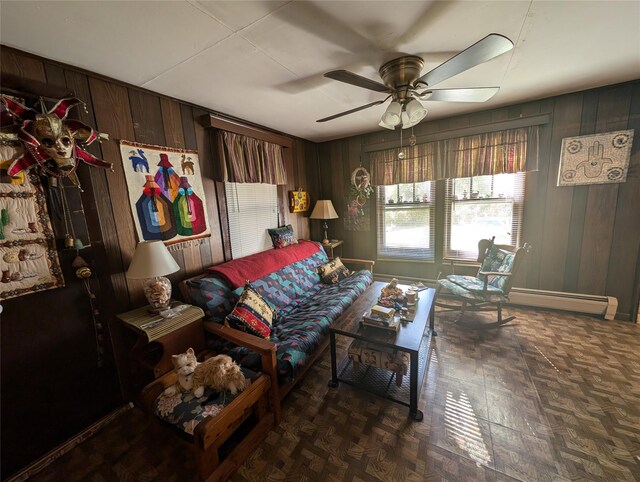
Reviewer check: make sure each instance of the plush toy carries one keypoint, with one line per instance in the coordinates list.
(184, 365)
(220, 373)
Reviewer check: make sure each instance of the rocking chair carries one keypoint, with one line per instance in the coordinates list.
(490, 288)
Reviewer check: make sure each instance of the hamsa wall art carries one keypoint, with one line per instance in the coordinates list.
(595, 159)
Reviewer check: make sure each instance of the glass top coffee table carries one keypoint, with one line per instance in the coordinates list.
(412, 337)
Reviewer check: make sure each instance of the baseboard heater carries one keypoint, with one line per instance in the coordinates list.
(555, 300)
(606, 306)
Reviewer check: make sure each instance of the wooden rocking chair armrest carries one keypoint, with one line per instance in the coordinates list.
(265, 348)
(241, 338)
(491, 273)
(366, 263)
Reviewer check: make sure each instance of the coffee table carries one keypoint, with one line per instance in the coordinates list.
(413, 338)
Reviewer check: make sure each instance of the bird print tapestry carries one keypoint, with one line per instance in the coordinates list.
(165, 192)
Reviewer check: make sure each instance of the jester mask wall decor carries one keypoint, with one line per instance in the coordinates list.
(50, 140)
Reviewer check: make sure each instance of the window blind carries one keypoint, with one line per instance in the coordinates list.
(406, 220)
(251, 210)
(481, 207)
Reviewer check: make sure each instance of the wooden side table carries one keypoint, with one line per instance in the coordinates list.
(159, 338)
(333, 244)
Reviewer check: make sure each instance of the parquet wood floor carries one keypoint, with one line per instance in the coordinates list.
(550, 396)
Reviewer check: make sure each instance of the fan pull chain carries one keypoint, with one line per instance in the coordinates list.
(400, 153)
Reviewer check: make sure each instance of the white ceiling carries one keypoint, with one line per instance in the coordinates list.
(263, 61)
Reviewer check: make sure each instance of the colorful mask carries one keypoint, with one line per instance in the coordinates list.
(56, 140)
(52, 136)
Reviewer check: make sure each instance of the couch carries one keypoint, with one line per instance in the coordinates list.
(288, 279)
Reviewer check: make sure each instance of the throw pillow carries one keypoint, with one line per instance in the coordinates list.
(283, 236)
(333, 272)
(252, 314)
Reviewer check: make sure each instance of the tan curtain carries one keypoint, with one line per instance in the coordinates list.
(419, 164)
(245, 159)
(513, 150)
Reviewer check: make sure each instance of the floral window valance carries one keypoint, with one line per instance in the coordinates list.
(507, 151)
(245, 159)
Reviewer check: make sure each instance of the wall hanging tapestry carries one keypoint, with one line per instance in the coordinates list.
(595, 159)
(356, 217)
(165, 192)
(28, 257)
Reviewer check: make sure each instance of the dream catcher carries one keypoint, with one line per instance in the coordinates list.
(356, 218)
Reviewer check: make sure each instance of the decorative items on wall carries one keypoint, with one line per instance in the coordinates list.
(52, 146)
(298, 201)
(28, 257)
(357, 212)
(595, 159)
(165, 192)
(84, 273)
(51, 141)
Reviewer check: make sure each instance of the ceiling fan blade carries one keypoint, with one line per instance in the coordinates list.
(478, 94)
(486, 49)
(357, 80)
(362, 107)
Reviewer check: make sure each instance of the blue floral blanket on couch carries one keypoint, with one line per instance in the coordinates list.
(306, 308)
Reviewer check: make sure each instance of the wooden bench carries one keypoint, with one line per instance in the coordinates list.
(212, 432)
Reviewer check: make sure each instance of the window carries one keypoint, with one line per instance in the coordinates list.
(406, 220)
(251, 209)
(481, 207)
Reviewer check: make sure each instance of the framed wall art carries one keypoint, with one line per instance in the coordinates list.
(298, 201)
(595, 159)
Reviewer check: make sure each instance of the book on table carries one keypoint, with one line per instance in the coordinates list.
(383, 312)
(374, 320)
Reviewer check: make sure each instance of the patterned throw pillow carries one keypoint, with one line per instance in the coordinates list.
(252, 314)
(333, 272)
(283, 236)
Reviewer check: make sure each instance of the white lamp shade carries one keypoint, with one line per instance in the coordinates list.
(391, 116)
(415, 111)
(324, 210)
(151, 259)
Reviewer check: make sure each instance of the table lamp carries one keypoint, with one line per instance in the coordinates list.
(324, 210)
(151, 261)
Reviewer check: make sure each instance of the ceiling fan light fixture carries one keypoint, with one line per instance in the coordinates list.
(406, 122)
(415, 111)
(391, 116)
(382, 124)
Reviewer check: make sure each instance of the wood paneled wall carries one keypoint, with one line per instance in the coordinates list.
(51, 385)
(586, 239)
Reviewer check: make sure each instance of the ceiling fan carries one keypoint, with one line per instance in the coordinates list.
(406, 87)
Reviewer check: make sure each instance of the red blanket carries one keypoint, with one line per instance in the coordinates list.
(237, 271)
